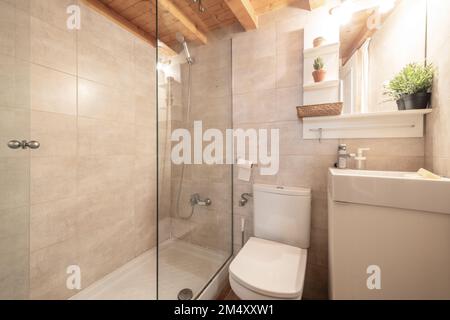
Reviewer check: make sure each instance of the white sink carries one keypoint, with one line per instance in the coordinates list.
(405, 190)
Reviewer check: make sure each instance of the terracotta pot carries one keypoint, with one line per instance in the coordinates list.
(318, 42)
(319, 75)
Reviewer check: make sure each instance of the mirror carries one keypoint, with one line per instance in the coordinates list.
(378, 42)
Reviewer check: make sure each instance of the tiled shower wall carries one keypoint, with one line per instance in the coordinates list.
(267, 86)
(438, 122)
(93, 181)
(211, 103)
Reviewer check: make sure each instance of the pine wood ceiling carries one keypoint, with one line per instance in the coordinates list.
(183, 16)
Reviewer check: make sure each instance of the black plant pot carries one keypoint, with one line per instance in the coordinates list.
(419, 100)
(401, 104)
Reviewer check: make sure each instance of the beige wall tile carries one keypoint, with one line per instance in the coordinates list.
(287, 100)
(53, 178)
(7, 30)
(145, 140)
(96, 174)
(105, 138)
(289, 68)
(14, 125)
(14, 252)
(53, 222)
(57, 134)
(14, 184)
(51, 11)
(97, 64)
(53, 91)
(259, 74)
(388, 147)
(145, 109)
(97, 211)
(103, 102)
(105, 250)
(251, 46)
(255, 107)
(93, 187)
(52, 47)
(48, 268)
(14, 83)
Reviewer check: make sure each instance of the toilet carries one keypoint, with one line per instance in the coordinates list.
(272, 265)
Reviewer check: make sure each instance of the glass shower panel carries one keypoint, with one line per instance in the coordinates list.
(77, 210)
(195, 196)
(14, 149)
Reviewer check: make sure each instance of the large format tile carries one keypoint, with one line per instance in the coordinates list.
(97, 174)
(14, 83)
(57, 134)
(53, 178)
(53, 222)
(14, 125)
(104, 102)
(259, 74)
(7, 29)
(15, 182)
(53, 91)
(54, 12)
(99, 65)
(52, 47)
(48, 270)
(255, 107)
(105, 138)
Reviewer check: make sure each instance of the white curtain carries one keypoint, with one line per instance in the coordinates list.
(364, 76)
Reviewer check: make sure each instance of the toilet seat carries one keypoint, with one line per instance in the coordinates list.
(269, 269)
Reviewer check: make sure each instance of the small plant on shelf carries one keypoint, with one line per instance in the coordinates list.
(319, 70)
(412, 86)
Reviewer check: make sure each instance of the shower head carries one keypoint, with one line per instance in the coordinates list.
(182, 40)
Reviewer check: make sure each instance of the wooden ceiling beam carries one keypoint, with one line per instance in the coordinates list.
(121, 21)
(311, 4)
(314, 4)
(170, 7)
(102, 9)
(244, 13)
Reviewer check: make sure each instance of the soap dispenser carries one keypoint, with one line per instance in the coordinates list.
(361, 159)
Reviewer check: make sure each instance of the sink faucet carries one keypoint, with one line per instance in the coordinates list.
(360, 158)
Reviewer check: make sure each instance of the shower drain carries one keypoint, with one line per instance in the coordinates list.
(185, 294)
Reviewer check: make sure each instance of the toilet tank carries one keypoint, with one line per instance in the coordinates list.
(282, 214)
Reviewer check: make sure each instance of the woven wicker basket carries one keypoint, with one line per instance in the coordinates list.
(320, 110)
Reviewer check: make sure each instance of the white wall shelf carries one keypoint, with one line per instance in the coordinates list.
(395, 124)
(321, 85)
(321, 51)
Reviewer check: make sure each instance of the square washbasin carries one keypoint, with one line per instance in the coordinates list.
(404, 190)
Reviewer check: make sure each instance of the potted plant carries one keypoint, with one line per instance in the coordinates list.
(411, 88)
(319, 70)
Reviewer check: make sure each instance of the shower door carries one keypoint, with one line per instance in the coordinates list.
(195, 181)
(14, 149)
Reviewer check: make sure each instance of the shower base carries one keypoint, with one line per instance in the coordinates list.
(181, 265)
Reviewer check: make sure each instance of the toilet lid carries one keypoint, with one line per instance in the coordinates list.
(270, 268)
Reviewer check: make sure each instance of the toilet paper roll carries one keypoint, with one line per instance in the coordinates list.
(244, 170)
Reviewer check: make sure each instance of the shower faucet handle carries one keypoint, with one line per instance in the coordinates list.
(197, 201)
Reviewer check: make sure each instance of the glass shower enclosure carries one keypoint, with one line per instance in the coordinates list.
(96, 97)
(194, 191)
